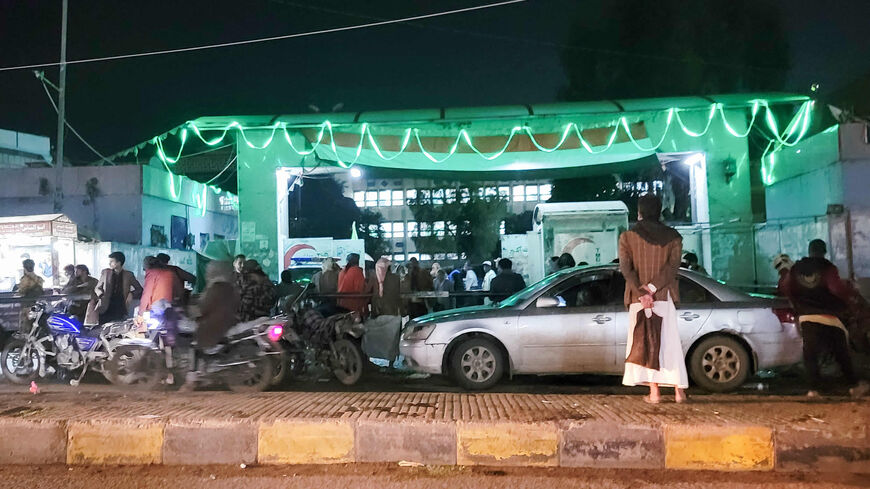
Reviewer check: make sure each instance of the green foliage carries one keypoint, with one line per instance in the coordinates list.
(475, 225)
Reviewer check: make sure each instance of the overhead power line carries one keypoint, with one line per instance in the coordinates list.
(266, 39)
(71, 128)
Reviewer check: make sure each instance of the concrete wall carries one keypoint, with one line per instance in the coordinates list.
(114, 216)
(156, 211)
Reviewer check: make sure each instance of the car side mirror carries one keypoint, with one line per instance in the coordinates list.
(546, 302)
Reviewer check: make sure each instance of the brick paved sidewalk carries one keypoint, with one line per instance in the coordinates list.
(725, 432)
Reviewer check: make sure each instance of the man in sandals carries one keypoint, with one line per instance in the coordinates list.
(649, 257)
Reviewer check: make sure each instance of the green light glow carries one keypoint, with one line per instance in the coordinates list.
(795, 131)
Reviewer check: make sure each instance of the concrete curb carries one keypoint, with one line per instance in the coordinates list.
(497, 443)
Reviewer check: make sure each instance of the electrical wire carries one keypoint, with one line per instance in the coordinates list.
(71, 128)
(266, 39)
(538, 42)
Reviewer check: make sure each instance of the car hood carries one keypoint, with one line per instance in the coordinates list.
(459, 313)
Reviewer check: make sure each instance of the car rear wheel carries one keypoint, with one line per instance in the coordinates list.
(477, 363)
(720, 364)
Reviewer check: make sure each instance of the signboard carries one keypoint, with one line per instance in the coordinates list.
(38, 226)
(318, 249)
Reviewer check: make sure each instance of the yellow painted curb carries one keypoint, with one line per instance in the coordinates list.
(305, 442)
(719, 447)
(106, 442)
(522, 444)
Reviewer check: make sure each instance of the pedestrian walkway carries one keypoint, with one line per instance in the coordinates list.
(720, 432)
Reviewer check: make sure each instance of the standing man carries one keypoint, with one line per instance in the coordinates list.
(86, 283)
(238, 264)
(29, 286)
(507, 282)
(820, 298)
(649, 257)
(115, 291)
(182, 276)
(442, 283)
(161, 283)
(351, 280)
(488, 275)
(420, 281)
(72, 282)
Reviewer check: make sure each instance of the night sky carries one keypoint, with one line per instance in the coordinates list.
(505, 55)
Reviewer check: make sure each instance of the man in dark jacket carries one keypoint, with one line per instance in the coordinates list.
(257, 292)
(820, 299)
(506, 283)
(114, 293)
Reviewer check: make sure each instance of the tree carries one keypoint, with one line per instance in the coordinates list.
(470, 227)
(319, 209)
(642, 48)
(518, 223)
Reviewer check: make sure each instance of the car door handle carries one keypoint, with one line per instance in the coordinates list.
(688, 316)
(601, 319)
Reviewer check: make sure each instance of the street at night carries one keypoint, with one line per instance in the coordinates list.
(514, 243)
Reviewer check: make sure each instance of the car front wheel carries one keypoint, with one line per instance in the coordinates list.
(477, 363)
(720, 364)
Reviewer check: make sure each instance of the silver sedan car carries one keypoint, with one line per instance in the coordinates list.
(574, 321)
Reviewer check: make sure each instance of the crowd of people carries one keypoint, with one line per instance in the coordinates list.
(387, 288)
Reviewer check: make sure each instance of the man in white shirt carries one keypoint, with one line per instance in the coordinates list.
(488, 275)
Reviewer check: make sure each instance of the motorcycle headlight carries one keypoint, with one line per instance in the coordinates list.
(419, 332)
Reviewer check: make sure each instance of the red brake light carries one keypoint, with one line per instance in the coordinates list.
(785, 315)
(275, 332)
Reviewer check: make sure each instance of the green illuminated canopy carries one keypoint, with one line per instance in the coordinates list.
(505, 138)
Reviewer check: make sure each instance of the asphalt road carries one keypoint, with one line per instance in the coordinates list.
(388, 476)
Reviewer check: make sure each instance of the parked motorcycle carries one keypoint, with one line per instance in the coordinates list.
(57, 341)
(313, 342)
(243, 361)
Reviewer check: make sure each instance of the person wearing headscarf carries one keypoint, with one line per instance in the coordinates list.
(326, 280)
(782, 263)
(649, 257)
(219, 306)
(434, 270)
(442, 283)
(386, 291)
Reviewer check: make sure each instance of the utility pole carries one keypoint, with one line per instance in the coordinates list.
(61, 106)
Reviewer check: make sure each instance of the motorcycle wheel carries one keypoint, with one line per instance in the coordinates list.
(280, 368)
(16, 371)
(348, 362)
(253, 376)
(135, 366)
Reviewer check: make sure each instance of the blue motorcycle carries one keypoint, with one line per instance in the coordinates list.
(58, 342)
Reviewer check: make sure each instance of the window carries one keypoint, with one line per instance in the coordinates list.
(490, 192)
(359, 198)
(519, 193)
(501, 228)
(412, 230)
(399, 230)
(399, 257)
(692, 293)
(546, 191)
(464, 196)
(437, 196)
(388, 229)
(449, 195)
(425, 257)
(439, 256)
(425, 196)
(587, 290)
(439, 229)
(398, 197)
(452, 256)
(414, 255)
(371, 199)
(178, 239)
(425, 229)
(411, 195)
(531, 193)
(451, 228)
(384, 198)
(504, 192)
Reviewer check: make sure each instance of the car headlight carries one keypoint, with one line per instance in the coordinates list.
(419, 332)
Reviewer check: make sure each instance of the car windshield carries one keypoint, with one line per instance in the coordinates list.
(532, 290)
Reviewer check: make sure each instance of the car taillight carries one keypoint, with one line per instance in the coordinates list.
(785, 315)
(275, 332)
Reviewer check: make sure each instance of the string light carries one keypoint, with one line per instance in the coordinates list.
(800, 120)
